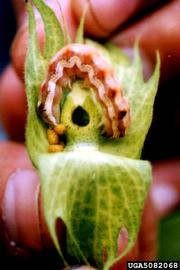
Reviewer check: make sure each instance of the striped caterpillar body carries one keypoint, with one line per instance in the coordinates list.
(84, 62)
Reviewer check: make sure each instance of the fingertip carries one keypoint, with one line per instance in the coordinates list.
(165, 198)
(20, 214)
(12, 156)
(22, 222)
(165, 191)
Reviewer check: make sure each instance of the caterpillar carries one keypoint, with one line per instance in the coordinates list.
(84, 62)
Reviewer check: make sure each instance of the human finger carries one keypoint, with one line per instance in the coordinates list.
(157, 32)
(23, 229)
(103, 17)
(13, 108)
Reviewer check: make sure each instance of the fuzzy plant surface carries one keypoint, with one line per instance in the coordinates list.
(97, 186)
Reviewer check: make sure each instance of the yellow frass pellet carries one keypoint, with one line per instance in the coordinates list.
(52, 137)
(56, 148)
(60, 129)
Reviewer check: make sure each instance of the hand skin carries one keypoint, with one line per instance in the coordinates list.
(17, 198)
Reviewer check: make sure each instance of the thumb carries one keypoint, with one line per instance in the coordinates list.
(103, 17)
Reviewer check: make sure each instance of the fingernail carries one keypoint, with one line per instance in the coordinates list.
(20, 213)
(164, 198)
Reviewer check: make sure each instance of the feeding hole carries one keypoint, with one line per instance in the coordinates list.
(122, 114)
(80, 117)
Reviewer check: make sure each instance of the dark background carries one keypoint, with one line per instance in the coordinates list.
(7, 30)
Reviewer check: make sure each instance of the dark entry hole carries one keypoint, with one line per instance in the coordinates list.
(80, 117)
(122, 114)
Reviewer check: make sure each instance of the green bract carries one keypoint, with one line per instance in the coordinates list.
(97, 185)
